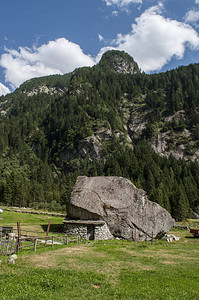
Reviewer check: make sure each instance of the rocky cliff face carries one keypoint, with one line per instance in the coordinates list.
(164, 142)
(44, 89)
(119, 62)
(126, 209)
(122, 66)
(92, 146)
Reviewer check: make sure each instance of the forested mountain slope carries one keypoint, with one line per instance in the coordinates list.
(110, 119)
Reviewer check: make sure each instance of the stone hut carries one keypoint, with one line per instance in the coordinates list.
(87, 229)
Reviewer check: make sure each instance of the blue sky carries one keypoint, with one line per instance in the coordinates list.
(43, 37)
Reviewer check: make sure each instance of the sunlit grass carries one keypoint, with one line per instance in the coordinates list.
(105, 270)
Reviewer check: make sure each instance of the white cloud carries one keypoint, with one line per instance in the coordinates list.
(154, 40)
(121, 3)
(55, 57)
(100, 37)
(115, 13)
(196, 1)
(3, 89)
(192, 16)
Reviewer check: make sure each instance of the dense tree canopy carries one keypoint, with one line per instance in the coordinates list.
(40, 132)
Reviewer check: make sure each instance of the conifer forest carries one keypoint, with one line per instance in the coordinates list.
(110, 119)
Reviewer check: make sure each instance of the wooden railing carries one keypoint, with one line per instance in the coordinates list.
(7, 245)
(10, 245)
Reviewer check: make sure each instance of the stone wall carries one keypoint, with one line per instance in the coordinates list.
(76, 229)
(102, 232)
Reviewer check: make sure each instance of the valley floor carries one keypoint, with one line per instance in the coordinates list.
(113, 269)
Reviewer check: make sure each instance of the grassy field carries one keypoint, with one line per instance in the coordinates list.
(32, 222)
(101, 270)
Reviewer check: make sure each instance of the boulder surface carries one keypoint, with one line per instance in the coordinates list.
(125, 208)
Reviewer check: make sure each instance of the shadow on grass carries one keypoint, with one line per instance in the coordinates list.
(53, 228)
(191, 237)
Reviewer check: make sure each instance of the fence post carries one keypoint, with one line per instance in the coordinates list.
(7, 250)
(12, 243)
(0, 241)
(4, 244)
(66, 240)
(35, 245)
(52, 241)
(17, 246)
(19, 236)
(47, 233)
(78, 238)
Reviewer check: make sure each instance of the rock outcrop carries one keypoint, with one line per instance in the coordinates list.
(126, 209)
(120, 62)
(180, 143)
(194, 215)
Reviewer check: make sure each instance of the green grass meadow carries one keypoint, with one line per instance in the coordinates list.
(101, 270)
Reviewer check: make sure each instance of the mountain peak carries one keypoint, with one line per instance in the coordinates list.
(120, 62)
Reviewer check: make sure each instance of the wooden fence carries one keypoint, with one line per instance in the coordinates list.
(7, 245)
(12, 243)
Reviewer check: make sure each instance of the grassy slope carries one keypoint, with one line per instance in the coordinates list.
(103, 270)
(31, 222)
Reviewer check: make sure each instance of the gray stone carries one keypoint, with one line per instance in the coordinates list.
(125, 209)
(12, 236)
(182, 227)
(11, 261)
(170, 238)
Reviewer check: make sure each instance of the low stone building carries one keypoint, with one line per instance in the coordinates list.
(87, 229)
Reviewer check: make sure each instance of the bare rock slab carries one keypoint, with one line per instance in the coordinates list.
(125, 208)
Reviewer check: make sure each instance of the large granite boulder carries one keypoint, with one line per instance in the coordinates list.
(125, 208)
